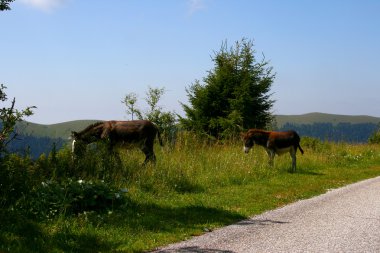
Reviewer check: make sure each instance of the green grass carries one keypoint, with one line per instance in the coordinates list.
(193, 188)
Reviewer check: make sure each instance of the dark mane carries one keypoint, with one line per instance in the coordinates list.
(91, 126)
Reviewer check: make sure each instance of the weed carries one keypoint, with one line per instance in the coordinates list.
(50, 198)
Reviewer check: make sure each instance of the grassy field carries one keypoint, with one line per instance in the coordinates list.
(194, 188)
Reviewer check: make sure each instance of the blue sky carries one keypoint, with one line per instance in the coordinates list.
(77, 59)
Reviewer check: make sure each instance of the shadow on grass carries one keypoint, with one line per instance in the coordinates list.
(310, 172)
(19, 234)
(153, 217)
(86, 243)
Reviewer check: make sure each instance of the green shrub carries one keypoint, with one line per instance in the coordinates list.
(374, 138)
(14, 179)
(69, 197)
(314, 144)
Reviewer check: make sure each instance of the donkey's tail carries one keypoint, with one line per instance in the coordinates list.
(299, 147)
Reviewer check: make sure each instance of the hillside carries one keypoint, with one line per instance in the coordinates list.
(331, 127)
(60, 130)
(37, 138)
(316, 117)
(63, 130)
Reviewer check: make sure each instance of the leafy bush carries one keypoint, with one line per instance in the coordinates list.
(374, 138)
(52, 198)
(14, 179)
(313, 143)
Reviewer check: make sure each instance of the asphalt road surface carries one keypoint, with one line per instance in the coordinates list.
(342, 220)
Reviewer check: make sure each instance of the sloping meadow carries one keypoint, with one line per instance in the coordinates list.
(113, 203)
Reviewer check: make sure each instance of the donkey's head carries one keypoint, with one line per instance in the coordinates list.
(248, 141)
(90, 134)
(76, 139)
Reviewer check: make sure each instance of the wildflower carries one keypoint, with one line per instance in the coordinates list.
(124, 190)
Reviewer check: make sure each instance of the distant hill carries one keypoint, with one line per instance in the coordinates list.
(63, 130)
(37, 138)
(316, 117)
(331, 127)
(60, 130)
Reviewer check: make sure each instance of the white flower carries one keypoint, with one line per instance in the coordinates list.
(124, 190)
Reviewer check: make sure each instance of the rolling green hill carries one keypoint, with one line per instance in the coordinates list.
(60, 130)
(38, 138)
(63, 130)
(334, 119)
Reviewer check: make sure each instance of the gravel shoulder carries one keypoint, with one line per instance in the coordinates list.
(342, 220)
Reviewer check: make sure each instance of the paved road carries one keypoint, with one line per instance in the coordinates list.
(342, 220)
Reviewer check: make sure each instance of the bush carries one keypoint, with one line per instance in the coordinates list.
(69, 197)
(374, 138)
(14, 179)
(314, 144)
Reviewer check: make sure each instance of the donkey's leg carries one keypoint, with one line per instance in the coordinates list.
(149, 154)
(292, 153)
(271, 155)
(146, 152)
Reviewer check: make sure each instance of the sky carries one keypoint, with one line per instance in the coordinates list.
(77, 59)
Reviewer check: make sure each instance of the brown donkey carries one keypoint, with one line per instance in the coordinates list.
(274, 143)
(122, 133)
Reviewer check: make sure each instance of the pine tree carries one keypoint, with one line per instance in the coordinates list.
(4, 5)
(235, 94)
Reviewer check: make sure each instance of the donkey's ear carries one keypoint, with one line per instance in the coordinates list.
(74, 134)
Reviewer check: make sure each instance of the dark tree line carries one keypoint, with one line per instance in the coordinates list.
(342, 132)
(29, 145)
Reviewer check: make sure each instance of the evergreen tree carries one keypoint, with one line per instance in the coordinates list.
(235, 94)
(4, 5)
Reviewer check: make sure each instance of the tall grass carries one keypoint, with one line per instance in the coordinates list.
(195, 166)
(195, 186)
